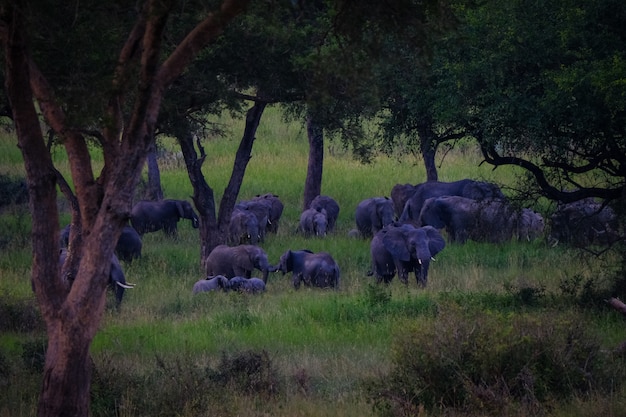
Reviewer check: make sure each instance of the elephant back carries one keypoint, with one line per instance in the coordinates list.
(324, 202)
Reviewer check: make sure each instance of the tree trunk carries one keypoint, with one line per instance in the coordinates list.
(244, 152)
(213, 230)
(203, 197)
(428, 148)
(155, 191)
(313, 182)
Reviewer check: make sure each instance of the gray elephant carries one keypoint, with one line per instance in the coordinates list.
(400, 194)
(314, 269)
(476, 190)
(117, 279)
(211, 283)
(324, 202)
(151, 216)
(128, 245)
(488, 220)
(261, 210)
(232, 261)
(583, 223)
(248, 285)
(529, 225)
(372, 214)
(244, 228)
(275, 212)
(404, 248)
(313, 223)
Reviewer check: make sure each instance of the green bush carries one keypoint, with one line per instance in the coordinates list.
(492, 362)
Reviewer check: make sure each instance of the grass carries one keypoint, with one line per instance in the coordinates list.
(323, 345)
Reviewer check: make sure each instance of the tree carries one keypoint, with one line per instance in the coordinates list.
(541, 86)
(72, 303)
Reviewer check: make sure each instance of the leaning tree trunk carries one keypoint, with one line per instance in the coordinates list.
(313, 182)
(203, 196)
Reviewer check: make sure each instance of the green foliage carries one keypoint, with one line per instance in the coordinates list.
(493, 363)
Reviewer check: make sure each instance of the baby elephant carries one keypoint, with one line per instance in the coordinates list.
(249, 285)
(314, 269)
(212, 283)
(314, 223)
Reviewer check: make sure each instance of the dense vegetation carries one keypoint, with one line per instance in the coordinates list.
(512, 329)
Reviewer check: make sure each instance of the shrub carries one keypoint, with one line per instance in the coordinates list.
(19, 315)
(491, 363)
(12, 190)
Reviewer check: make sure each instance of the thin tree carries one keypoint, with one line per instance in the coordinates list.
(72, 304)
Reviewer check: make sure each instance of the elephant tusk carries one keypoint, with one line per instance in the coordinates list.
(420, 261)
(125, 285)
(432, 258)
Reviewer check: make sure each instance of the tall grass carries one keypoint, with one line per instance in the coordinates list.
(322, 344)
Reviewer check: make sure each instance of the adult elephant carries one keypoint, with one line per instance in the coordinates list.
(214, 283)
(372, 214)
(404, 248)
(128, 247)
(117, 279)
(261, 210)
(275, 211)
(476, 190)
(232, 261)
(324, 202)
(529, 225)
(489, 220)
(151, 216)
(244, 228)
(583, 223)
(314, 269)
(313, 223)
(248, 285)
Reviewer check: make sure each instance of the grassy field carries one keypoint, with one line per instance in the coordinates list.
(300, 353)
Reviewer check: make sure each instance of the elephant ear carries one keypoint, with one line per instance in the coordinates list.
(394, 242)
(436, 243)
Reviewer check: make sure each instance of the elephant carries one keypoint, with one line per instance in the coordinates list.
(117, 279)
(248, 285)
(211, 283)
(583, 223)
(530, 225)
(128, 245)
(232, 261)
(372, 214)
(314, 269)
(404, 248)
(313, 223)
(476, 190)
(276, 210)
(151, 216)
(244, 228)
(324, 202)
(261, 210)
(400, 193)
(488, 220)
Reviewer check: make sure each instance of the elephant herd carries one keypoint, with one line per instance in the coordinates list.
(405, 232)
